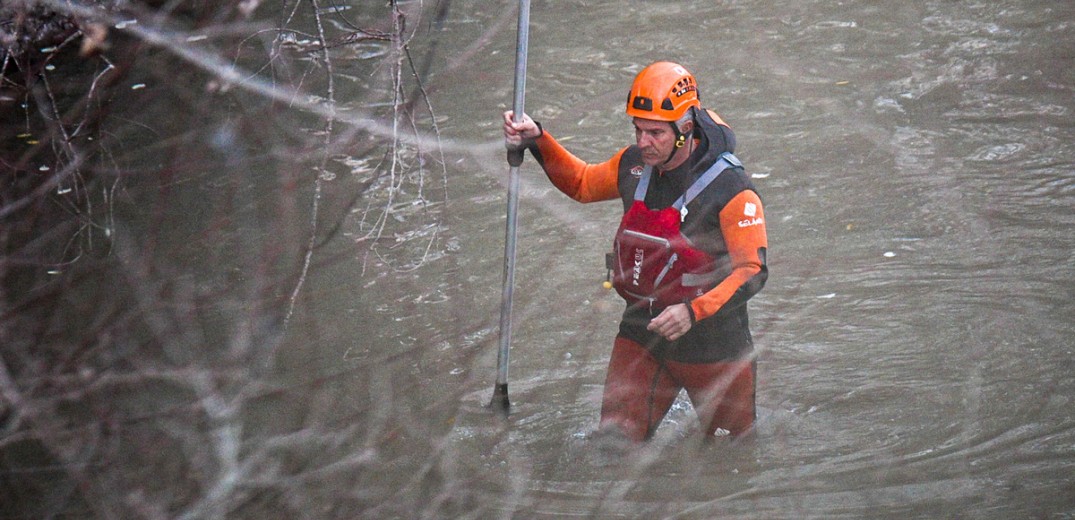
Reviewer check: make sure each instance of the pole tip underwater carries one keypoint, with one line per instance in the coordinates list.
(500, 401)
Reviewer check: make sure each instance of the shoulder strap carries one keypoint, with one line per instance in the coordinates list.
(725, 161)
(643, 183)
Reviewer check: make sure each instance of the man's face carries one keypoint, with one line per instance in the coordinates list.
(655, 139)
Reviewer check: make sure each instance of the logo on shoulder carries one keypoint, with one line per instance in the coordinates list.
(637, 171)
(750, 210)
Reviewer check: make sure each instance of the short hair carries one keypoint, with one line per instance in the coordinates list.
(687, 116)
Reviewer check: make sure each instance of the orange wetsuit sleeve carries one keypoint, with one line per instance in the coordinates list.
(742, 222)
(578, 179)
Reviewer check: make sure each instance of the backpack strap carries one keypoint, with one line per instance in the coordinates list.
(725, 161)
(643, 183)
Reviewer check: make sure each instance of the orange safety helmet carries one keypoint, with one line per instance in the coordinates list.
(663, 91)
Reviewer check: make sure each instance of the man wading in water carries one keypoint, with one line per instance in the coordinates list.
(689, 253)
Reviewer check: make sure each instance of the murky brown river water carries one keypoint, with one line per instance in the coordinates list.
(918, 168)
(917, 160)
(915, 338)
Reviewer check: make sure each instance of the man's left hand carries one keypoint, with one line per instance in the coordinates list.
(672, 323)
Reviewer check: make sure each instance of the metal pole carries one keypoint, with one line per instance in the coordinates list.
(515, 158)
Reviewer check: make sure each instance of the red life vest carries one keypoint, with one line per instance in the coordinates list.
(653, 262)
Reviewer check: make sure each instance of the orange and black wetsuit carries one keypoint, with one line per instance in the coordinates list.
(713, 360)
(726, 221)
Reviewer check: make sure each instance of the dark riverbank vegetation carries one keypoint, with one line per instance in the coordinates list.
(171, 172)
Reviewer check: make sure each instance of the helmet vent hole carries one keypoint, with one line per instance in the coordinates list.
(645, 103)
